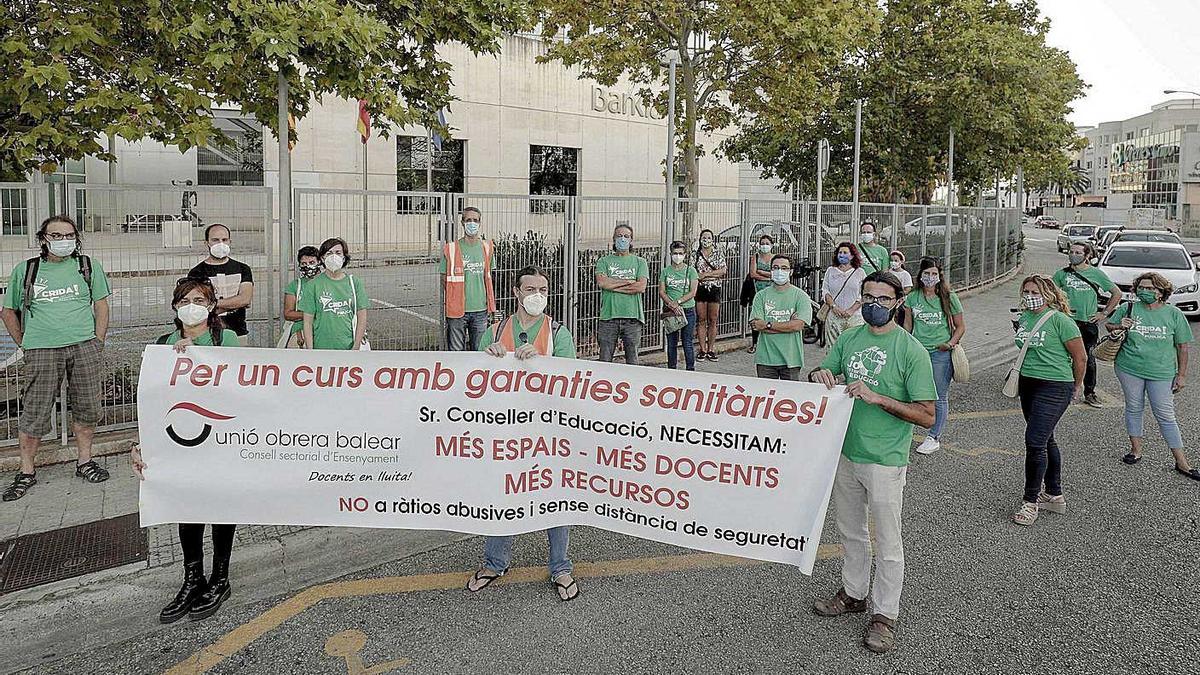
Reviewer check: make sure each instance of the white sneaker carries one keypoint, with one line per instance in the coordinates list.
(929, 446)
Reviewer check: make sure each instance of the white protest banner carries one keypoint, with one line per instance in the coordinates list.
(473, 443)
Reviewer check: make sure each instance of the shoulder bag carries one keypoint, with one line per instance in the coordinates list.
(823, 312)
(1013, 379)
(1110, 345)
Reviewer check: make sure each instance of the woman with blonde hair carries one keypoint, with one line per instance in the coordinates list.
(1051, 377)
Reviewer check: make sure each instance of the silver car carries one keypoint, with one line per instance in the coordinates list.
(1074, 233)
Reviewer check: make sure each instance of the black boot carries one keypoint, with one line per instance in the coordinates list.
(217, 592)
(194, 586)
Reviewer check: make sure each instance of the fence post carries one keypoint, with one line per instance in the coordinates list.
(946, 247)
(569, 263)
(925, 232)
(896, 226)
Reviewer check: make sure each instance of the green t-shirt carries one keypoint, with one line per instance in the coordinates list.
(1149, 349)
(228, 339)
(1082, 297)
(61, 313)
(474, 286)
(878, 255)
(776, 306)
(1047, 358)
(615, 305)
(679, 282)
(297, 288)
(331, 304)
(893, 364)
(564, 345)
(930, 325)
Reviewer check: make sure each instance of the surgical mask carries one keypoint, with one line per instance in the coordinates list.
(471, 227)
(706, 242)
(868, 237)
(1033, 302)
(764, 248)
(676, 258)
(220, 250)
(1076, 258)
(930, 280)
(843, 258)
(334, 262)
(622, 244)
(1148, 297)
(535, 303)
(896, 264)
(781, 277)
(309, 270)
(876, 314)
(63, 247)
(192, 315)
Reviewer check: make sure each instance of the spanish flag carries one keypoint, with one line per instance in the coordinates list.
(364, 121)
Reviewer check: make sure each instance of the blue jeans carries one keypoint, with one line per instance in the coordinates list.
(463, 334)
(1043, 402)
(627, 331)
(688, 335)
(943, 373)
(1162, 403)
(497, 552)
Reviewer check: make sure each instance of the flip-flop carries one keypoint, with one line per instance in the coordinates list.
(482, 575)
(1131, 458)
(1194, 474)
(564, 590)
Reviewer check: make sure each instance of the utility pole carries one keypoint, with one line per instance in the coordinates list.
(285, 180)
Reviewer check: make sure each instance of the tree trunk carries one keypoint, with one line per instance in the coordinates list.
(691, 165)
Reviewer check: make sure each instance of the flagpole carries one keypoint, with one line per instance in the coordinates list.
(429, 181)
(366, 241)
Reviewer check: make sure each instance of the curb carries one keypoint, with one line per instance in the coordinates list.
(112, 443)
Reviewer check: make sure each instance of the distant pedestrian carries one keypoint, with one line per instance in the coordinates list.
(780, 313)
(196, 323)
(888, 374)
(233, 280)
(335, 303)
(1051, 377)
(56, 311)
(760, 272)
(841, 291)
(622, 277)
(1153, 362)
(677, 286)
(528, 334)
(936, 320)
(898, 260)
(712, 270)
(309, 262)
(1083, 285)
(467, 273)
(875, 257)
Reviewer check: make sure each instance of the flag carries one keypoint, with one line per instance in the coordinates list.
(364, 121)
(437, 138)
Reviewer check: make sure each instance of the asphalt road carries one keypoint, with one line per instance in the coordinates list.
(1109, 587)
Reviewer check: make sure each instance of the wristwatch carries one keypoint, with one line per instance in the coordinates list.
(769, 324)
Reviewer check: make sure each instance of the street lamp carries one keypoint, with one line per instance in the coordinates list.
(1183, 91)
(670, 59)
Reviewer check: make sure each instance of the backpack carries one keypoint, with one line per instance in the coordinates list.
(31, 269)
(166, 339)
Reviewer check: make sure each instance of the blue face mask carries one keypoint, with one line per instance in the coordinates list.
(471, 227)
(781, 277)
(876, 314)
(622, 244)
(843, 258)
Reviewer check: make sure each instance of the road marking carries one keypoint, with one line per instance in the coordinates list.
(348, 645)
(407, 311)
(239, 638)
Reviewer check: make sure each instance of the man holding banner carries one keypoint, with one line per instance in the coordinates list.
(529, 333)
(889, 375)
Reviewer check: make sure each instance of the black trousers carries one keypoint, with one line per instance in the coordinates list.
(1091, 335)
(191, 540)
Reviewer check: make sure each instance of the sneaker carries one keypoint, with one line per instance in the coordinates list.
(1027, 514)
(1052, 503)
(929, 446)
(839, 604)
(712, 356)
(1092, 400)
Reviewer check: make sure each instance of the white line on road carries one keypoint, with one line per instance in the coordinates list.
(406, 310)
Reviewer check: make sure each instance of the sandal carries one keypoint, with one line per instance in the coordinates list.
(91, 472)
(564, 590)
(1027, 514)
(881, 634)
(1194, 474)
(1131, 458)
(482, 579)
(19, 486)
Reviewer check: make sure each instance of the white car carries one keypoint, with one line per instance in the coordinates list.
(1124, 261)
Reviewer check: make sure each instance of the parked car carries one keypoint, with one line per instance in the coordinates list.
(1073, 234)
(1106, 241)
(1147, 235)
(1103, 230)
(1046, 223)
(1124, 261)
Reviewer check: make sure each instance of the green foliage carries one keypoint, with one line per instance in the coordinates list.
(981, 67)
(74, 70)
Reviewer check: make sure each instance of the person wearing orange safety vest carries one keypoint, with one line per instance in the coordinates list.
(467, 272)
(528, 334)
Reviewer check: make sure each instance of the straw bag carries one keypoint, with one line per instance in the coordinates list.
(1110, 345)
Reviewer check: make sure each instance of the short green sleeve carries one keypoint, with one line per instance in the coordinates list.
(564, 344)
(12, 299)
(100, 289)
(643, 269)
(955, 304)
(1183, 329)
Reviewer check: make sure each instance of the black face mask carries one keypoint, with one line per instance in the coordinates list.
(876, 314)
(308, 271)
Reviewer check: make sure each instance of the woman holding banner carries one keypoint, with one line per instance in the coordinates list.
(335, 303)
(196, 323)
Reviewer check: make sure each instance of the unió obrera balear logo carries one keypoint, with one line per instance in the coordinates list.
(204, 432)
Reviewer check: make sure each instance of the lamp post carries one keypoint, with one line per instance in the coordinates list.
(857, 150)
(671, 59)
(1183, 91)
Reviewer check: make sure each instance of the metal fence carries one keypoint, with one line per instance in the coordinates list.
(145, 237)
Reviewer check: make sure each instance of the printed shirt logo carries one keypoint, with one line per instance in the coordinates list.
(1039, 338)
(338, 307)
(205, 431)
(44, 294)
(927, 316)
(473, 267)
(226, 285)
(775, 313)
(622, 273)
(1077, 284)
(678, 283)
(867, 364)
(1150, 332)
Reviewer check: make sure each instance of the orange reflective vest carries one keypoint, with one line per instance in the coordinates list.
(543, 342)
(456, 279)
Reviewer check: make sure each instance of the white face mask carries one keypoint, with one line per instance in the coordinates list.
(192, 315)
(764, 248)
(471, 227)
(896, 264)
(220, 250)
(535, 303)
(63, 247)
(334, 262)
(868, 237)
(676, 258)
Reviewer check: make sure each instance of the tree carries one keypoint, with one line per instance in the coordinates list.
(981, 67)
(738, 60)
(72, 71)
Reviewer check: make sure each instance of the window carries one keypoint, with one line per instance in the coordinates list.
(1129, 135)
(553, 170)
(235, 158)
(412, 160)
(14, 211)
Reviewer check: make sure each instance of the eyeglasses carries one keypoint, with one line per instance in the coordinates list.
(205, 281)
(782, 269)
(58, 236)
(881, 299)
